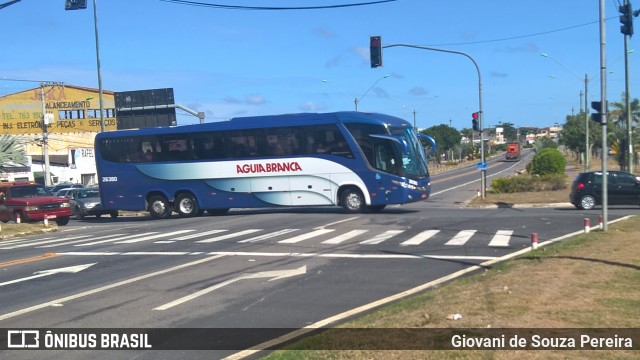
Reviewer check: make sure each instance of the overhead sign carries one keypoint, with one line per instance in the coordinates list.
(145, 108)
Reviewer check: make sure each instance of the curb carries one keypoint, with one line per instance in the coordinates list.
(518, 206)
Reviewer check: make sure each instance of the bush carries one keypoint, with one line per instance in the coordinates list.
(548, 161)
(526, 183)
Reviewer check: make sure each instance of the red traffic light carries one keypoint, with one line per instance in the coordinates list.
(475, 116)
(375, 47)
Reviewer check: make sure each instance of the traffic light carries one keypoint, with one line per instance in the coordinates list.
(75, 4)
(597, 106)
(475, 121)
(626, 19)
(375, 49)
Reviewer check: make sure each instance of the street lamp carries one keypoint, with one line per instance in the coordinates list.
(356, 101)
(587, 152)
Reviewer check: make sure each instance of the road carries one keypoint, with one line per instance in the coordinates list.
(263, 269)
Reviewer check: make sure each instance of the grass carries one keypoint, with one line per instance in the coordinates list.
(9, 230)
(589, 281)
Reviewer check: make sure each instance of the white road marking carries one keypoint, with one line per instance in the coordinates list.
(501, 238)
(228, 236)
(344, 237)
(309, 235)
(78, 241)
(151, 237)
(121, 238)
(382, 237)
(461, 237)
(420, 238)
(267, 236)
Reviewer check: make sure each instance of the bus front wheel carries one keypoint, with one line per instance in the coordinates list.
(186, 205)
(352, 200)
(159, 207)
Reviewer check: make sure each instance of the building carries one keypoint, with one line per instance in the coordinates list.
(72, 121)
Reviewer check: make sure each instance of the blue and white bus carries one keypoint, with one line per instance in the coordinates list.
(356, 160)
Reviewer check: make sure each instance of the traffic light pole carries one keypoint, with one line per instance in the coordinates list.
(483, 177)
(603, 101)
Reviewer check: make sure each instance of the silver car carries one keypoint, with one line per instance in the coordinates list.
(86, 202)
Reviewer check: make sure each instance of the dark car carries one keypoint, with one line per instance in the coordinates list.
(86, 202)
(623, 189)
(55, 188)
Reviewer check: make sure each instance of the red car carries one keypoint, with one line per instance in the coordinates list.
(31, 202)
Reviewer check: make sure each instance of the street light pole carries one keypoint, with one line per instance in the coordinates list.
(587, 153)
(356, 101)
(483, 177)
(100, 97)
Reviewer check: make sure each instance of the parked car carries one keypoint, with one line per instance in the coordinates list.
(86, 202)
(63, 192)
(55, 188)
(623, 189)
(29, 201)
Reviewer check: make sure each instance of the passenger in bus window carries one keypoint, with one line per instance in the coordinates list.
(320, 149)
(148, 156)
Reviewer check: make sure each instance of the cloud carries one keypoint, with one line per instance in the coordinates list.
(498, 75)
(323, 33)
(248, 100)
(362, 53)
(255, 100)
(418, 91)
(526, 48)
(311, 106)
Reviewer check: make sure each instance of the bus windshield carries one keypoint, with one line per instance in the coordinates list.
(414, 159)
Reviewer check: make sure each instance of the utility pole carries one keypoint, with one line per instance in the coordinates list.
(587, 151)
(45, 139)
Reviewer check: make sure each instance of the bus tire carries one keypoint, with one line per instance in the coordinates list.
(352, 200)
(159, 207)
(186, 205)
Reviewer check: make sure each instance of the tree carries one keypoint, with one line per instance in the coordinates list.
(446, 138)
(509, 131)
(11, 152)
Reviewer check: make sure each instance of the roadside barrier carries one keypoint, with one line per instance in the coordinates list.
(587, 225)
(534, 241)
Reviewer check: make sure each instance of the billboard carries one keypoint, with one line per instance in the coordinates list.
(74, 109)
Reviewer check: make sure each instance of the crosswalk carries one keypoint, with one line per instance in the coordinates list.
(399, 237)
(284, 237)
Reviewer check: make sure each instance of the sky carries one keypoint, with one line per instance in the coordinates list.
(231, 63)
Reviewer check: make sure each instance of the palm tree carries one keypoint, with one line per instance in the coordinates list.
(618, 135)
(11, 152)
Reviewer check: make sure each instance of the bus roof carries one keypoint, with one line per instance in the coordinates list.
(268, 121)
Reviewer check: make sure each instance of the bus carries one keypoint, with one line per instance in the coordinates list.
(359, 161)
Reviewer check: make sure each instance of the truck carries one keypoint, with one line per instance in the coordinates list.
(29, 201)
(513, 152)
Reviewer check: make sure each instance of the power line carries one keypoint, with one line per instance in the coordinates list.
(272, 8)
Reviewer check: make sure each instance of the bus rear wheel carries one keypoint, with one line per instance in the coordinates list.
(352, 200)
(159, 207)
(186, 205)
